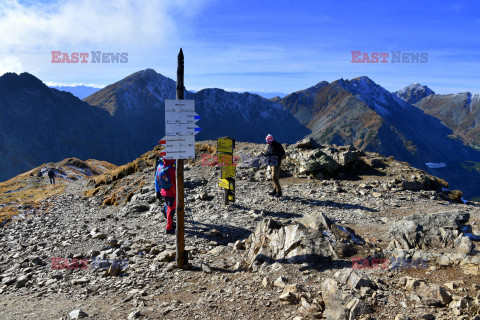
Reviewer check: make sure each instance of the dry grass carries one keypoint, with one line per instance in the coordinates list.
(25, 190)
(130, 195)
(117, 193)
(207, 148)
(6, 214)
(111, 201)
(105, 185)
(92, 192)
(202, 148)
(146, 160)
(31, 190)
(28, 188)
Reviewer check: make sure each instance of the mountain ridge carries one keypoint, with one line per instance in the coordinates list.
(138, 100)
(364, 114)
(414, 93)
(359, 112)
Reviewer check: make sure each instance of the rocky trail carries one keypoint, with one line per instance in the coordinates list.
(355, 236)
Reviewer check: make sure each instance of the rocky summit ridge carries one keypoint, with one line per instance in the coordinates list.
(356, 236)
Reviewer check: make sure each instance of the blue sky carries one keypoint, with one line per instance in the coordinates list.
(268, 46)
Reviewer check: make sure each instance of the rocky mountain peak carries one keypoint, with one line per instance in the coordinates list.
(414, 93)
(363, 86)
(374, 96)
(11, 82)
(134, 94)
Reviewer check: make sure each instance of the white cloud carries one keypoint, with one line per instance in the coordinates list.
(148, 30)
(10, 64)
(61, 84)
(89, 24)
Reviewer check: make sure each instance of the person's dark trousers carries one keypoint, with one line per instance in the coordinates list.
(276, 179)
(171, 205)
(52, 180)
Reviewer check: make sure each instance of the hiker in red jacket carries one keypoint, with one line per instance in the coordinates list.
(165, 186)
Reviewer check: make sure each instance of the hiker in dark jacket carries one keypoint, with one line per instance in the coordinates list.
(51, 175)
(166, 187)
(274, 155)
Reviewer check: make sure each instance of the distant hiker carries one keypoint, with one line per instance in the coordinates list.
(274, 155)
(51, 175)
(165, 185)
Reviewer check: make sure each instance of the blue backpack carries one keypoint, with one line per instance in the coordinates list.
(163, 178)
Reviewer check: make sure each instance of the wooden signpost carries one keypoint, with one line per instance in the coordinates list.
(180, 232)
(179, 142)
(225, 146)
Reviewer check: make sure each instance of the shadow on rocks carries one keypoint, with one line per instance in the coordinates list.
(328, 203)
(222, 234)
(269, 213)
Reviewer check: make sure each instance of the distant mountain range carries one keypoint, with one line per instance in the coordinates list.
(460, 112)
(362, 113)
(126, 118)
(83, 91)
(41, 124)
(269, 95)
(138, 101)
(80, 92)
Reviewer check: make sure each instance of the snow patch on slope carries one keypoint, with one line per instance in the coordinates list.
(435, 165)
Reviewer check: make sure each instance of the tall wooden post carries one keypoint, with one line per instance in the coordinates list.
(180, 232)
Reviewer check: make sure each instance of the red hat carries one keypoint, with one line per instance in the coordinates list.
(269, 138)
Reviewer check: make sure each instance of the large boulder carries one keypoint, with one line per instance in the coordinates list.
(423, 182)
(334, 298)
(317, 161)
(408, 233)
(316, 220)
(452, 220)
(353, 279)
(344, 155)
(340, 304)
(312, 237)
(272, 240)
(307, 143)
(431, 294)
(437, 230)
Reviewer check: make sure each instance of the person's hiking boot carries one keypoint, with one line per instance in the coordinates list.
(170, 231)
(278, 195)
(272, 193)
